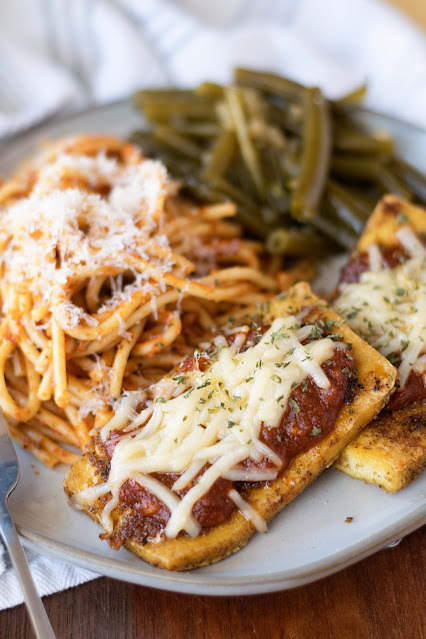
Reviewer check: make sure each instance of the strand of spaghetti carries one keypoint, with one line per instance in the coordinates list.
(48, 432)
(87, 364)
(102, 418)
(189, 287)
(93, 290)
(218, 211)
(8, 405)
(106, 328)
(15, 188)
(27, 347)
(146, 309)
(56, 424)
(167, 254)
(38, 313)
(45, 359)
(81, 428)
(162, 360)
(156, 343)
(28, 444)
(139, 381)
(178, 229)
(120, 361)
(15, 381)
(35, 334)
(233, 251)
(126, 307)
(61, 454)
(59, 364)
(242, 273)
(85, 145)
(44, 392)
(205, 319)
(126, 316)
(17, 363)
(79, 387)
(216, 294)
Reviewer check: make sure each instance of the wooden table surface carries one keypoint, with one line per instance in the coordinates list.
(382, 597)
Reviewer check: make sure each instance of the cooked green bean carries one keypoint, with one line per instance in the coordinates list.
(358, 167)
(175, 164)
(209, 90)
(348, 208)
(233, 192)
(315, 156)
(291, 121)
(221, 154)
(179, 143)
(354, 142)
(328, 224)
(269, 82)
(354, 97)
(413, 179)
(161, 111)
(140, 97)
(203, 191)
(391, 183)
(276, 193)
(362, 196)
(297, 243)
(198, 129)
(301, 169)
(248, 151)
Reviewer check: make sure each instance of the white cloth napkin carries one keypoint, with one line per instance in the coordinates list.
(49, 576)
(57, 55)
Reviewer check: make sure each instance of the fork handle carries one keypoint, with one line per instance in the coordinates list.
(38, 616)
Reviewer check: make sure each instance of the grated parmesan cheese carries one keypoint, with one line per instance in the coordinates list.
(62, 227)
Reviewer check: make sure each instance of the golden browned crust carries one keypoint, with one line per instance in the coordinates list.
(385, 220)
(376, 378)
(391, 452)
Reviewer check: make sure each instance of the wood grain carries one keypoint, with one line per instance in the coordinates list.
(381, 597)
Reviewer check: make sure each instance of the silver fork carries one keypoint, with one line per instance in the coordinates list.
(9, 475)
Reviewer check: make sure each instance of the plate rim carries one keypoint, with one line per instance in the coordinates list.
(216, 585)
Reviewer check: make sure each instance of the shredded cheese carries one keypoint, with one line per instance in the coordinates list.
(212, 417)
(248, 511)
(62, 227)
(375, 257)
(387, 308)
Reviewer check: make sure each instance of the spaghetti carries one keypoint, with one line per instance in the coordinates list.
(109, 278)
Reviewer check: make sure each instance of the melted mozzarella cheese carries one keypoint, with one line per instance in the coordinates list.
(216, 419)
(387, 308)
(375, 258)
(248, 511)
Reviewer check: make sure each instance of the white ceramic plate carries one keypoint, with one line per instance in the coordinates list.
(308, 540)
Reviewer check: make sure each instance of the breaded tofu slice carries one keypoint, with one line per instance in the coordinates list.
(391, 452)
(392, 254)
(280, 415)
